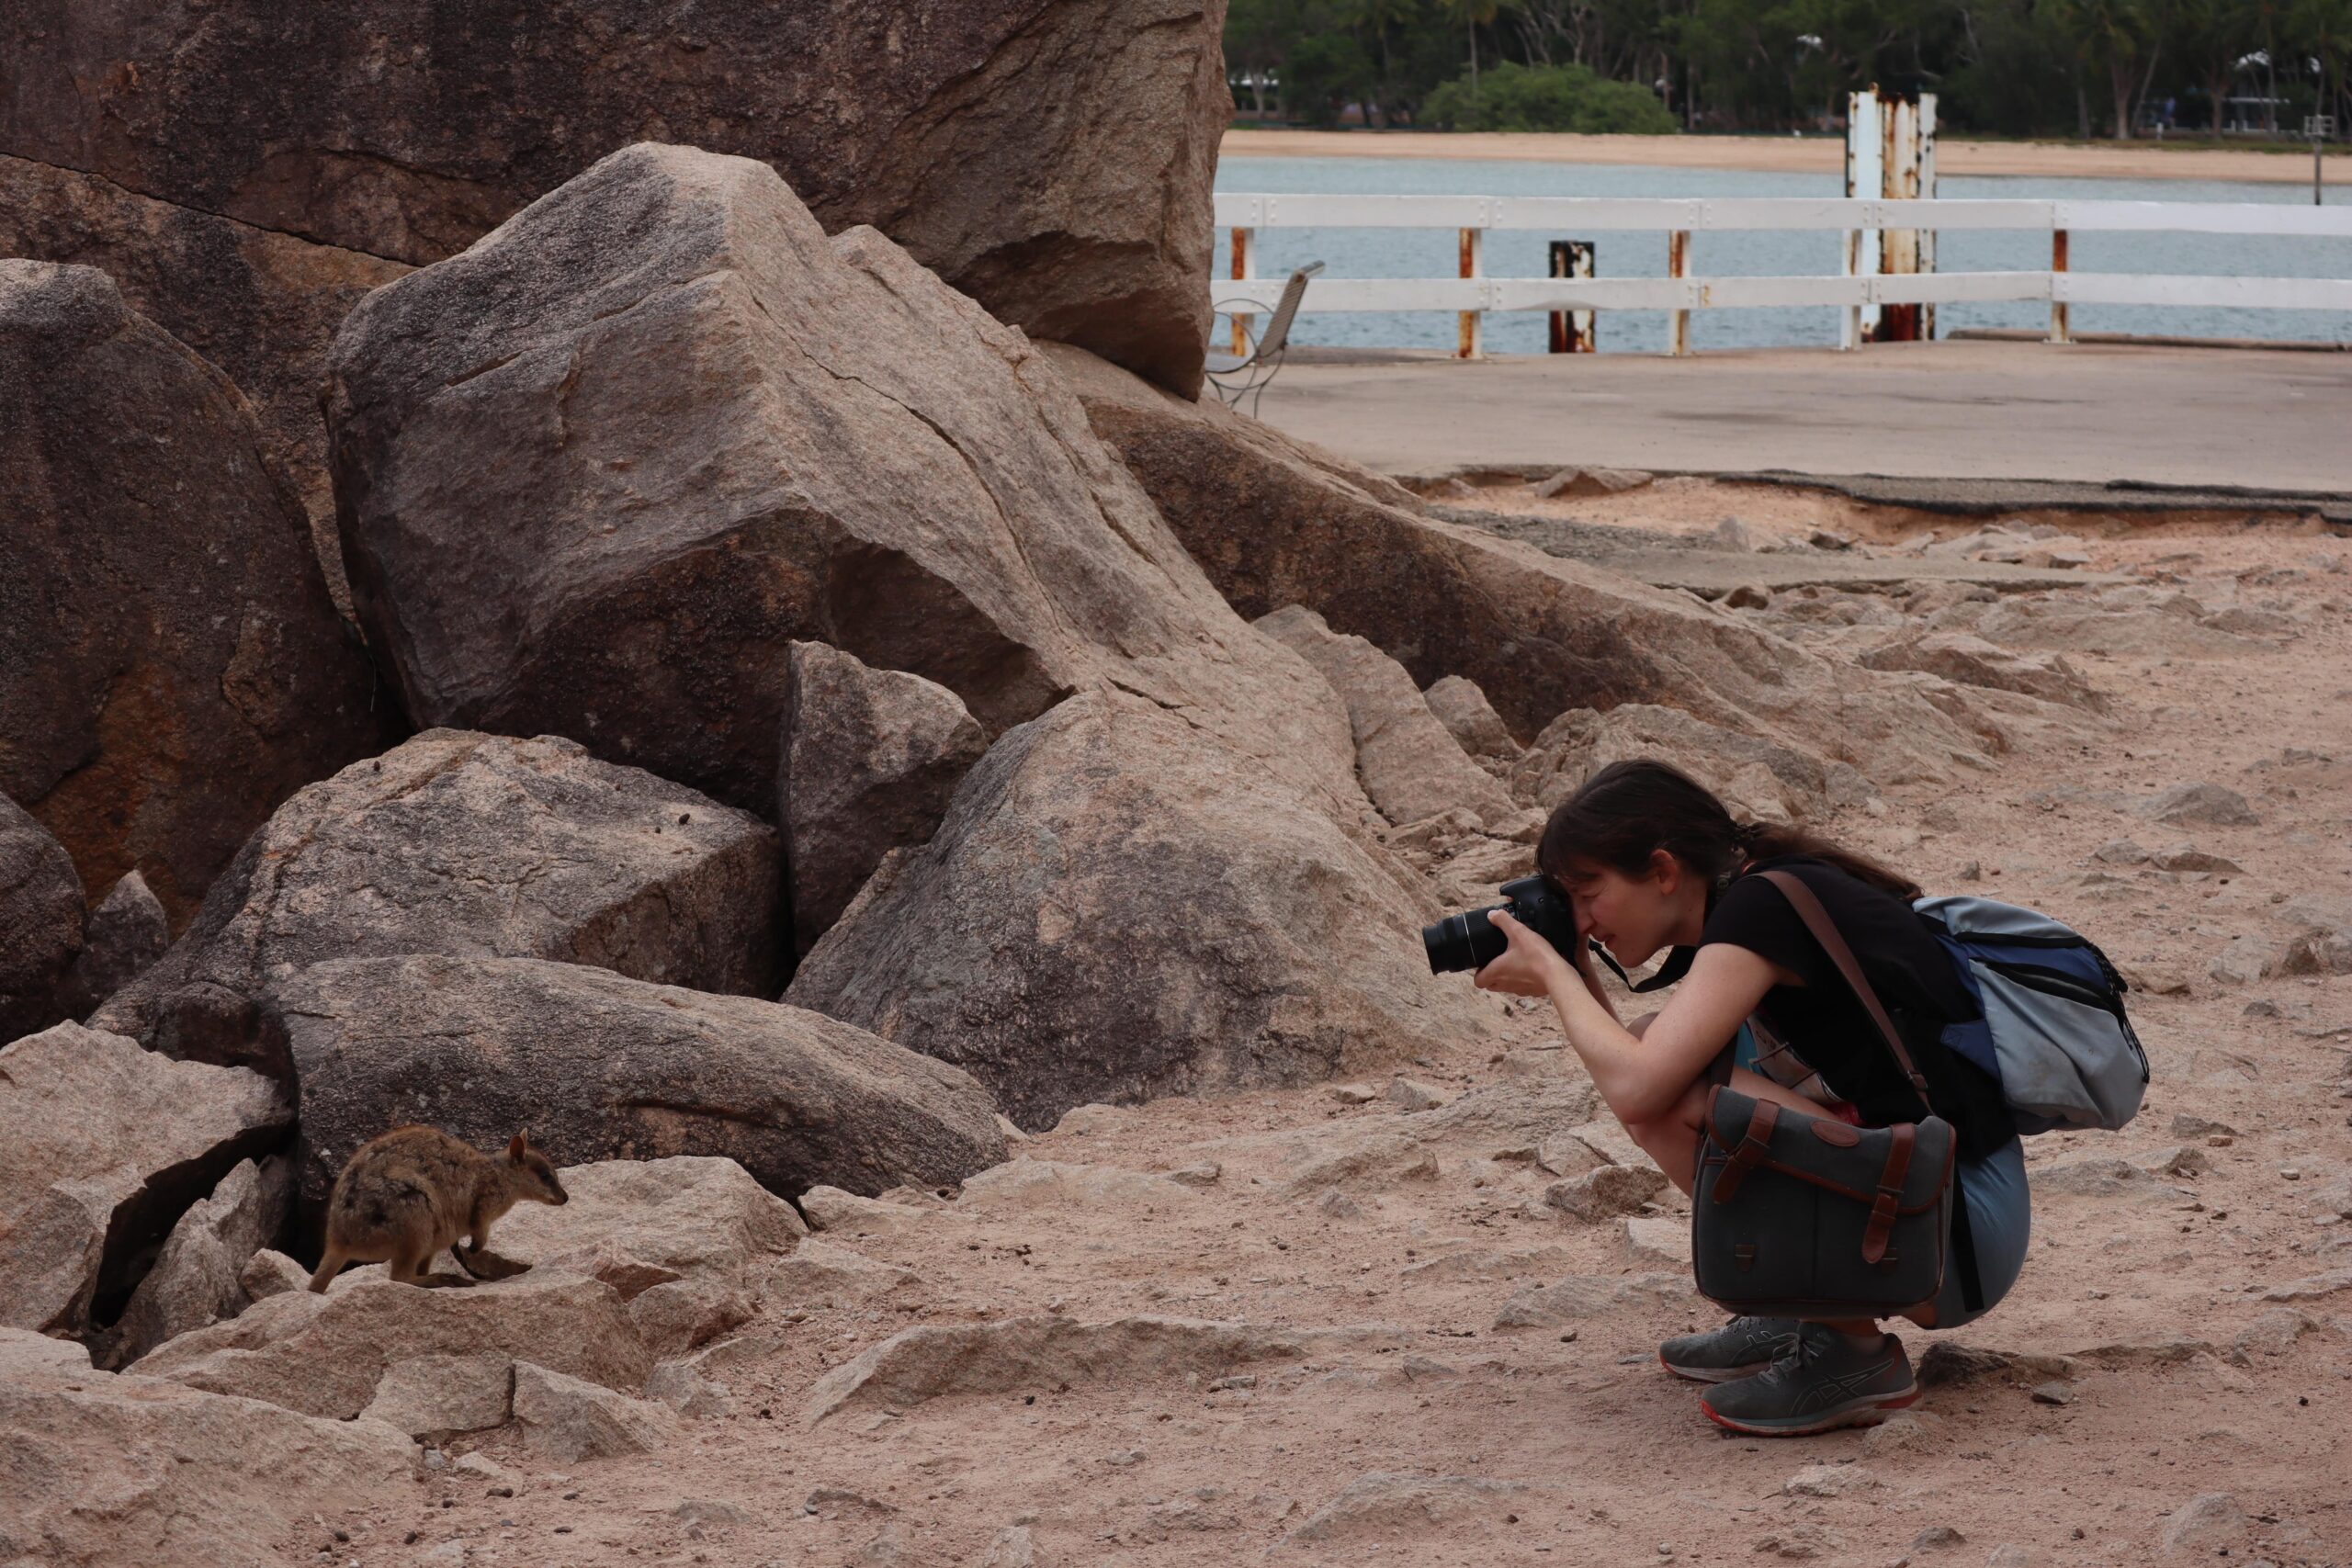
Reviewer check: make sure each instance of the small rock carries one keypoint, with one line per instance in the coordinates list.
(2315, 953)
(1353, 1094)
(2273, 1334)
(2177, 1160)
(1830, 1481)
(1904, 1432)
(2239, 963)
(2185, 1125)
(1093, 1117)
(1606, 1191)
(2200, 802)
(2120, 852)
(1746, 596)
(1011, 1549)
(1409, 1094)
(1659, 1244)
(2204, 1525)
(1590, 481)
(1937, 1537)
(1828, 539)
(1731, 534)
(567, 1419)
(2188, 857)
(2009, 1554)
(2053, 1393)
(1203, 1175)
(1337, 1205)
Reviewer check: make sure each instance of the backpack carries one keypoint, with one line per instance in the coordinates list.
(2051, 1029)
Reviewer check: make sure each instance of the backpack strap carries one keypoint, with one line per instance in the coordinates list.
(1824, 931)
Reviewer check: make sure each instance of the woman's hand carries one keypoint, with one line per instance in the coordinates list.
(1530, 966)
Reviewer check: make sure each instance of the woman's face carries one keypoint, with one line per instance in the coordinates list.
(1634, 917)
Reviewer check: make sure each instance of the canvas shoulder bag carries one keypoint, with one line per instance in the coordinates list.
(1807, 1216)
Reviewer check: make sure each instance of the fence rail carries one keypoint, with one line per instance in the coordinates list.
(1472, 294)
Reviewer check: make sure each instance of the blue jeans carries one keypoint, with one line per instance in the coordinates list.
(2000, 1217)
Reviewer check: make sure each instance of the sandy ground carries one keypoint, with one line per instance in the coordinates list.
(1791, 154)
(2199, 1366)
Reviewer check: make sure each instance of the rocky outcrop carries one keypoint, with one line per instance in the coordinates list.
(171, 667)
(195, 1281)
(1973, 661)
(1411, 766)
(260, 305)
(109, 1471)
(1115, 909)
(476, 846)
(1465, 711)
(126, 934)
(326, 1355)
(601, 1067)
(707, 431)
(1759, 780)
(870, 760)
(1275, 522)
(569, 1419)
(1051, 158)
(40, 924)
(107, 1145)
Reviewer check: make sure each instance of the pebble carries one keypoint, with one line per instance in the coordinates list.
(2053, 1393)
(1353, 1094)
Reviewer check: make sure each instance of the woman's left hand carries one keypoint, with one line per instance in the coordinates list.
(1531, 967)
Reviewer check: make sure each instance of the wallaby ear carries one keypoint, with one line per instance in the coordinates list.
(516, 1145)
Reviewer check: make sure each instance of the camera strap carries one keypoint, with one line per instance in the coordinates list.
(1677, 964)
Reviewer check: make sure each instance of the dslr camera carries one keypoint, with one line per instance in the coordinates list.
(1471, 941)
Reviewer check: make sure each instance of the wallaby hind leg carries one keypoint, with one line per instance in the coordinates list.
(329, 1266)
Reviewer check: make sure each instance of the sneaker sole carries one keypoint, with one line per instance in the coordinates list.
(1712, 1374)
(1861, 1413)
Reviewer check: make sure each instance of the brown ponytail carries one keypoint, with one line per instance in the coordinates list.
(1627, 810)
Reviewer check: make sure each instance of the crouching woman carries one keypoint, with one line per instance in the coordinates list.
(1652, 863)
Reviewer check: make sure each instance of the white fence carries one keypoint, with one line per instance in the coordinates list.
(1471, 294)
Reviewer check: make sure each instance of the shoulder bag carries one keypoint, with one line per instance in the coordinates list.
(1804, 1217)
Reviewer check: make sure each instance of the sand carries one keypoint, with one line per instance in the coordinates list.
(1793, 156)
(1564, 1443)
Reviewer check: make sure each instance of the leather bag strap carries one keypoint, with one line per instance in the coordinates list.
(1824, 931)
(1755, 1146)
(1889, 1200)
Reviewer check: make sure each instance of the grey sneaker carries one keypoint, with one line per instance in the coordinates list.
(1739, 1348)
(1825, 1383)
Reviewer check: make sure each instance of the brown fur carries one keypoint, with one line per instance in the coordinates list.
(406, 1196)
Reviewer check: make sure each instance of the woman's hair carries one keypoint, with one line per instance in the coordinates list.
(1629, 809)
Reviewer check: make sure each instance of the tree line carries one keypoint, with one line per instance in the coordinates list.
(2079, 68)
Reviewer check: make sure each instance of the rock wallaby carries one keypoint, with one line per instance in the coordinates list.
(408, 1194)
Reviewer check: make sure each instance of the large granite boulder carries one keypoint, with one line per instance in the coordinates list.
(126, 933)
(702, 431)
(103, 1471)
(1411, 764)
(107, 1145)
(195, 1281)
(260, 305)
(1115, 908)
(1275, 522)
(870, 760)
(1051, 158)
(41, 923)
(171, 667)
(601, 1068)
(479, 846)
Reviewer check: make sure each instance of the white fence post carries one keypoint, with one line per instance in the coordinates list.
(1470, 336)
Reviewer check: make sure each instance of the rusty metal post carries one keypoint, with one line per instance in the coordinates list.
(1677, 265)
(1245, 267)
(1468, 343)
(1572, 329)
(2058, 333)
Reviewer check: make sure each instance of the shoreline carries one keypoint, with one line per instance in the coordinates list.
(1806, 155)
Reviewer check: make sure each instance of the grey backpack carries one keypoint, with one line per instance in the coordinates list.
(2053, 1034)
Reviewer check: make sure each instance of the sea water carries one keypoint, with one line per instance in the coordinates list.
(1427, 253)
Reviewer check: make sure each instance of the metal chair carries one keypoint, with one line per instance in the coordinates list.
(1236, 376)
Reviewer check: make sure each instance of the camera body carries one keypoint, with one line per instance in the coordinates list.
(1471, 941)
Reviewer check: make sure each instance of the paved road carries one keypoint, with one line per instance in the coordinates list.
(2275, 419)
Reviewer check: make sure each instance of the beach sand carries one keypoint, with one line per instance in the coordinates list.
(1806, 155)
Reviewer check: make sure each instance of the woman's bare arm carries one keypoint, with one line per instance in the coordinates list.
(1640, 1078)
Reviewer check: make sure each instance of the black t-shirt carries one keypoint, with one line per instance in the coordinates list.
(1822, 1023)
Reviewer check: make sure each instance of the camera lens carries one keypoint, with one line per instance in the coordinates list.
(1464, 942)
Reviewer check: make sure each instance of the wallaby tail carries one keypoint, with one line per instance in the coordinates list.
(329, 1267)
